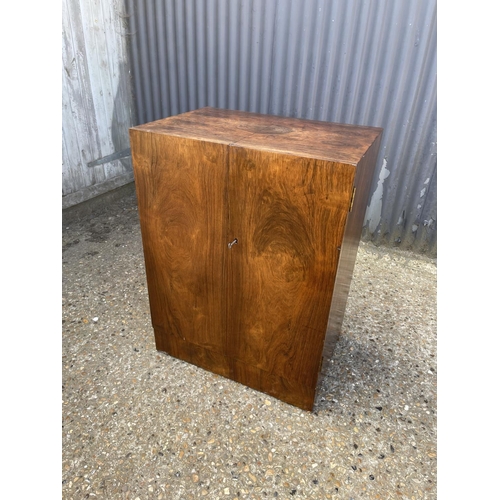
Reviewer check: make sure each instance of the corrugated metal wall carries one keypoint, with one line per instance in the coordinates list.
(97, 105)
(352, 61)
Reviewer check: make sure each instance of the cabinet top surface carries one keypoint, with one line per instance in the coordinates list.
(315, 139)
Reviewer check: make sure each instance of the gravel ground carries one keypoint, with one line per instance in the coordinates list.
(138, 424)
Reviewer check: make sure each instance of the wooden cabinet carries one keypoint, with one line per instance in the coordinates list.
(250, 226)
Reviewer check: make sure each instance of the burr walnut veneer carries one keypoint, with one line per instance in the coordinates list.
(250, 226)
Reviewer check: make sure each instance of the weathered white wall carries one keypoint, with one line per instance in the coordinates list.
(97, 106)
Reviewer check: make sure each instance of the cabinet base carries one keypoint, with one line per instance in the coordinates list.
(289, 391)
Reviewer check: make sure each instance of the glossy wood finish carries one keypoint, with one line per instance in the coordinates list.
(180, 186)
(305, 138)
(352, 234)
(288, 214)
(256, 312)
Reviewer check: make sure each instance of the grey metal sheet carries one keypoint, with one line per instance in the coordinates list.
(362, 62)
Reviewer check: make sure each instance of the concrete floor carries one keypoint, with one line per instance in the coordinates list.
(138, 424)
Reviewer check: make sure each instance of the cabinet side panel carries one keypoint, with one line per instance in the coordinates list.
(288, 214)
(181, 199)
(354, 225)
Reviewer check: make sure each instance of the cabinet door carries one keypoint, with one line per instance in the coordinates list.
(288, 214)
(180, 186)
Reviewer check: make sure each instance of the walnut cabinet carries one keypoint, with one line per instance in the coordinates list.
(250, 226)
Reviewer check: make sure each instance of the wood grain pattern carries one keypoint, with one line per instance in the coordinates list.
(256, 312)
(337, 142)
(293, 392)
(180, 187)
(288, 214)
(354, 225)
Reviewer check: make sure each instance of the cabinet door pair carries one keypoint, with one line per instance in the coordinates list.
(241, 248)
(243, 219)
